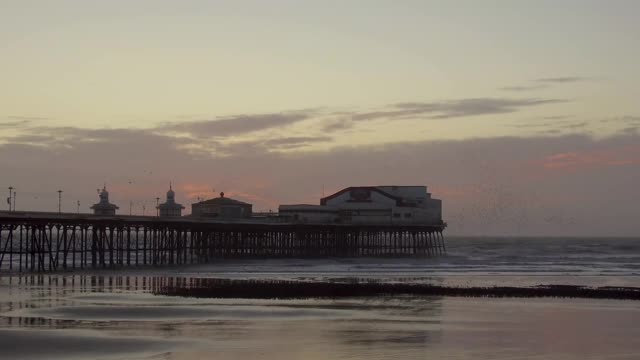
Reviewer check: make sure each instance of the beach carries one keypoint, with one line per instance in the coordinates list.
(118, 314)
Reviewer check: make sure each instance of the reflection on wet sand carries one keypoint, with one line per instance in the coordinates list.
(66, 344)
(117, 307)
(119, 316)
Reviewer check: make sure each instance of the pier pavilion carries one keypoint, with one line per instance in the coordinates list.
(381, 205)
(222, 207)
(104, 207)
(170, 207)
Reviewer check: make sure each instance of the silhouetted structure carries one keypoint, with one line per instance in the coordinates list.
(170, 207)
(371, 205)
(49, 242)
(355, 287)
(104, 207)
(222, 207)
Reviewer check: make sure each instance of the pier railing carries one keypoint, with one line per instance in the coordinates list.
(60, 242)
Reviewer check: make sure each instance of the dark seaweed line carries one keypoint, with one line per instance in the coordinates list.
(255, 289)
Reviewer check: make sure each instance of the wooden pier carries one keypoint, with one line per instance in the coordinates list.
(51, 242)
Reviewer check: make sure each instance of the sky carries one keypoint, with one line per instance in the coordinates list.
(522, 116)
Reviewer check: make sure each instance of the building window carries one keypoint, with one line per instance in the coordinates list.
(407, 215)
(397, 215)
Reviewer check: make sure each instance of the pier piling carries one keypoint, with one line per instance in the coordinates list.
(64, 241)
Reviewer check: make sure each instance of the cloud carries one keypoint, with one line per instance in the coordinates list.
(250, 147)
(32, 139)
(489, 186)
(454, 108)
(574, 125)
(558, 126)
(235, 125)
(579, 160)
(15, 124)
(258, 132)
(628, 119)
(549, 132)
(337, 125)
(241, 134)
(562, 80)
(27, 118)
(69, 135)
(296, 140)
(529, 125)
(522, 88)
(544, 83)
(73, 137)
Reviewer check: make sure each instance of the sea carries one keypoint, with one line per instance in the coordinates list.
(119, 314)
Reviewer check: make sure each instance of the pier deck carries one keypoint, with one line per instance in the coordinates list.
(51, 242)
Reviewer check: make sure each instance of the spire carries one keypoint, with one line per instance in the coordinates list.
(170, 207)
(170, 194)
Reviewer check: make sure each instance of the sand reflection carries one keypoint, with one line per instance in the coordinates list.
(69, 344)
(94, 316)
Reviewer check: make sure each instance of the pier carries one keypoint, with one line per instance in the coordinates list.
(52, 242)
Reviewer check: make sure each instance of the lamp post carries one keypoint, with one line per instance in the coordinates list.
(157, 206)
(9, 198)
(59, 201)
(78, 203)
(14, 200)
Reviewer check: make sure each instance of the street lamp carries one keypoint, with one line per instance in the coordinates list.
(14, 200)
(59, 201)
(78, 203)
(9, 198)
(157, 206)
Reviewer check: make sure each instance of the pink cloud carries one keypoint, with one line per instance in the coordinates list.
(196, 190)
(576, 160)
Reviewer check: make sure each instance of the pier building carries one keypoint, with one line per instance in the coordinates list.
(170, 207)
(222, 207)
(370, 205)
(104, 207)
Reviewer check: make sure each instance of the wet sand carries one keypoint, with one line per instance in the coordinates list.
(117, 316)
(71, 344)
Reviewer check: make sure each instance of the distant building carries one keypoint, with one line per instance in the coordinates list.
(104, 207)
(370, 205)
(222, 207)
(170, 207)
